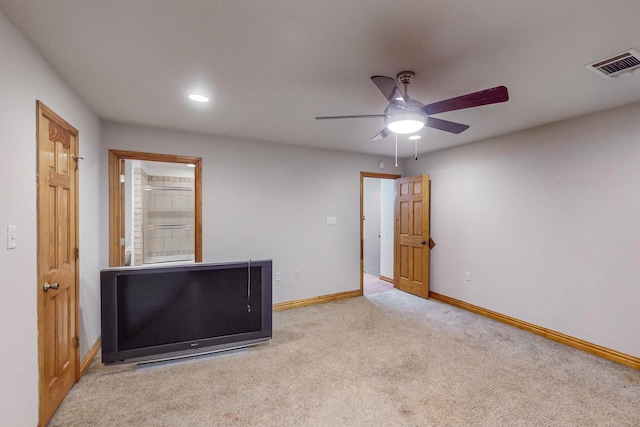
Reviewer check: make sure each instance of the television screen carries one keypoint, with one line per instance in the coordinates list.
(167, 311)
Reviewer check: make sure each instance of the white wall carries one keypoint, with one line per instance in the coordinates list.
(371, 229)
(546, 220)
(387, 212)
(269, 201)
(25, 78)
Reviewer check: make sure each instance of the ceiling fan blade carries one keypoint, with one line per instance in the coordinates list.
(446, 125)
(381, 135)
(364, 116)
(476, 99)
(389, 89)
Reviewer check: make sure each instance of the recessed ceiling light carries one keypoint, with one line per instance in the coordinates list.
(198, 98)
(415, 137)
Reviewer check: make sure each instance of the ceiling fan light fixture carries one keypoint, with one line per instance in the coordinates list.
(406, 125)
(198, 98)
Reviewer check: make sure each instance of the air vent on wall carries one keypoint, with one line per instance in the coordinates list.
(621, 63)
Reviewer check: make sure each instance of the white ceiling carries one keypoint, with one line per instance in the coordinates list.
(271, 66)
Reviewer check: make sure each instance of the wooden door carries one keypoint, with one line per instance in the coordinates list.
(58, 353)
(411, 264)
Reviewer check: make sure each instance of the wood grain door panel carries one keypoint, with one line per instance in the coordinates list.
(57, 286)
(412, 235)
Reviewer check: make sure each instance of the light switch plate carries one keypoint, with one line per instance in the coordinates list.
(331, 220)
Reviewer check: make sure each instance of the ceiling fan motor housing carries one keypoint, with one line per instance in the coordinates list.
(411, 110)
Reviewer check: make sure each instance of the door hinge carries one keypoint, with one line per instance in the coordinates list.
(77, 253)
(76, 342)
(432, 244)
(122, 178)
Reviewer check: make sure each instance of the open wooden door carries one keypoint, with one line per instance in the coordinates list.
(412, 243)
(57, 287)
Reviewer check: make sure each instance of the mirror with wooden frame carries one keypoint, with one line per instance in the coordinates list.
(155, 208)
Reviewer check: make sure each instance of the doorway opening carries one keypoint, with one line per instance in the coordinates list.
(377, 201)
(155, 208)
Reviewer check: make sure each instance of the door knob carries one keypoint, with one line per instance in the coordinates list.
(424, 242)
(47, 286)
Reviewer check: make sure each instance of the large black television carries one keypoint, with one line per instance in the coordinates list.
(172, 311)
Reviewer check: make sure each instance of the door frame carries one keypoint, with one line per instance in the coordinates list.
(42, 109)
(364, 175)
(116, 197)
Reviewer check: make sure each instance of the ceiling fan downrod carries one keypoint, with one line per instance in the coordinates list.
(405, 78)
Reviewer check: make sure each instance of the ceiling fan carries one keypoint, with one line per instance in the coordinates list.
(404, 115)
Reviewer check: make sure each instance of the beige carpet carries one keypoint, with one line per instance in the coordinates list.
(389, 359)
(372, 284)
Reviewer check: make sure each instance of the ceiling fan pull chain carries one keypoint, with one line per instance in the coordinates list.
(396, 150)
(416, 141)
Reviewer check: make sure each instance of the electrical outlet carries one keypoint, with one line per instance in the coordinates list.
(331, 220)
(467, 276)
(278, 276)
(298, 274)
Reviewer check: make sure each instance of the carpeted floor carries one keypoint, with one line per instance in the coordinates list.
(372, 284)
(388, 359)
